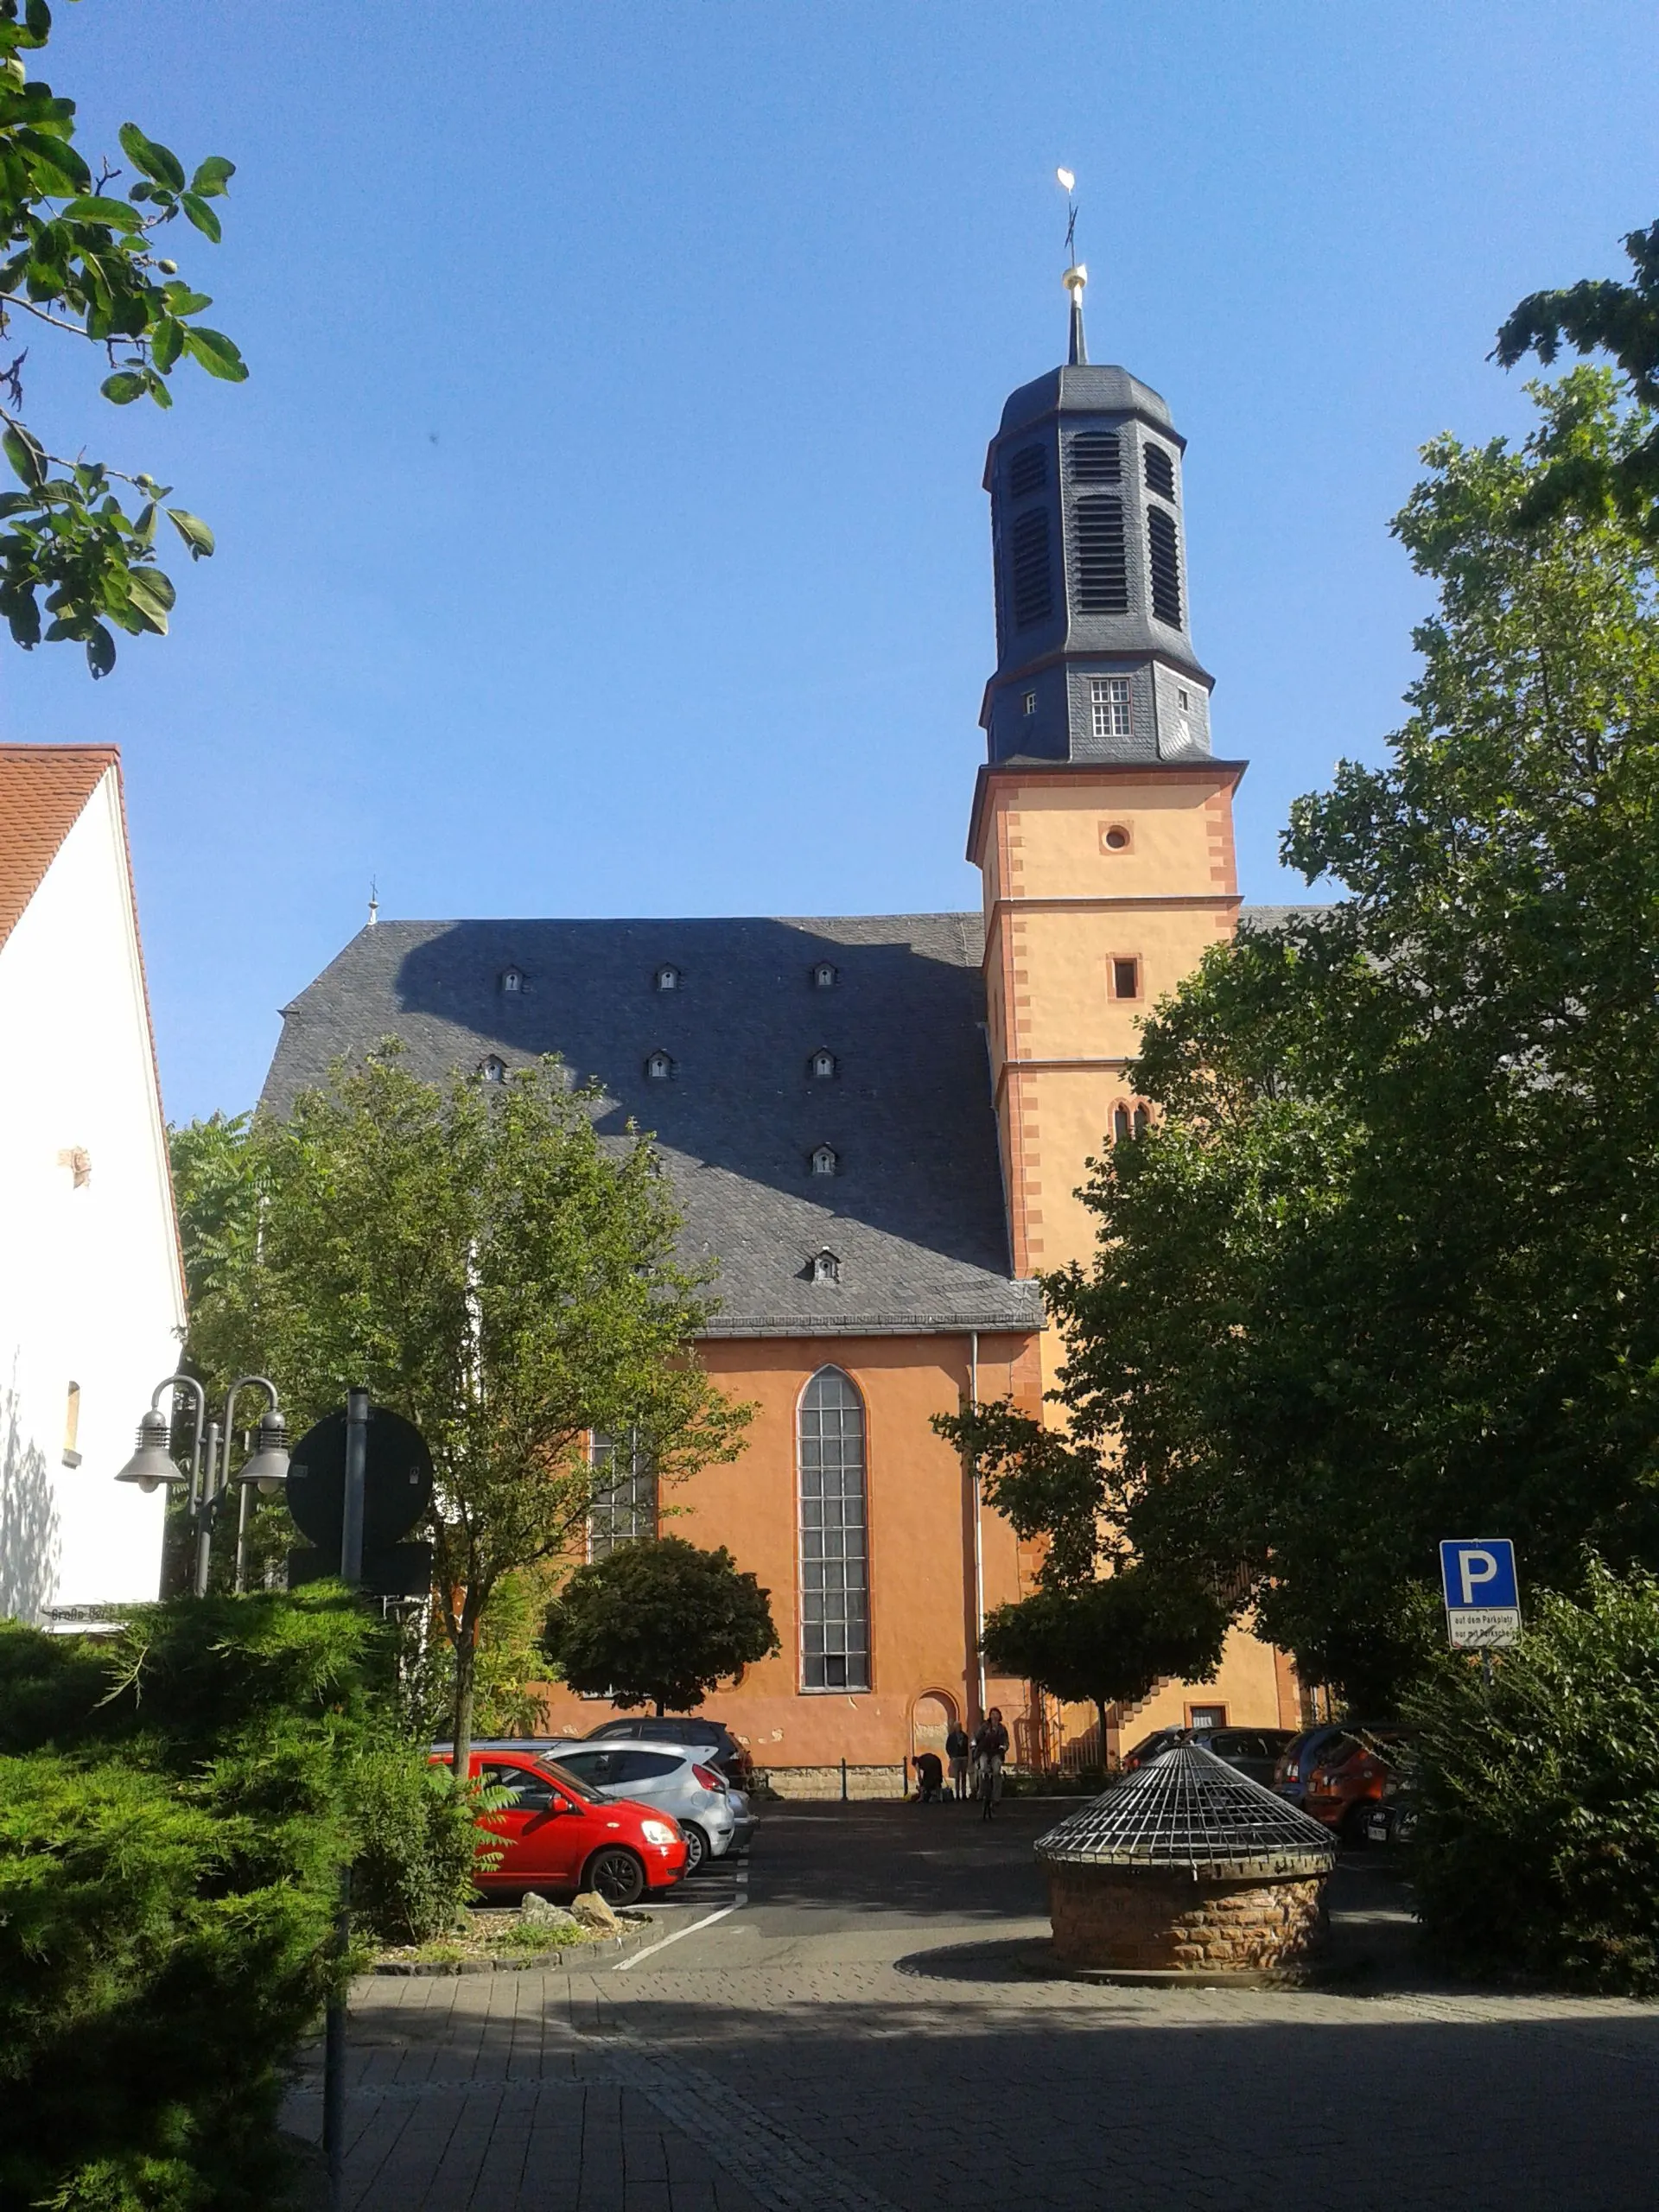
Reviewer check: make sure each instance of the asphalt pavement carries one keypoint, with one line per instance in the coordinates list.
(849, 2022)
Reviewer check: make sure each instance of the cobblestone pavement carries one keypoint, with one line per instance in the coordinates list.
(867, 2032)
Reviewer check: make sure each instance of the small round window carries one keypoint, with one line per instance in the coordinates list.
(1115, 837)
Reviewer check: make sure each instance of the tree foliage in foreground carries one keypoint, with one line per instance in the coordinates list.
(1538, 1846)
(176, 1805)
(488, 1267)
(77, 257)
(1382, 1271)
(1601, 315)
(658, 1623)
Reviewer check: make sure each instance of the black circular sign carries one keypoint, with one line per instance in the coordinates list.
(397, 1481)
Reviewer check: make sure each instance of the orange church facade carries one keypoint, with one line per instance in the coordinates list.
(877, 1125)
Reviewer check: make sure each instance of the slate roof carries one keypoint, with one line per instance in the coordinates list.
(43, 792)
(915, 1214)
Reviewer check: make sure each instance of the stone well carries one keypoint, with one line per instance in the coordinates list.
(1188, 1867)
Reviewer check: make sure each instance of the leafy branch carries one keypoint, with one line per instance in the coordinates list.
(73, 562)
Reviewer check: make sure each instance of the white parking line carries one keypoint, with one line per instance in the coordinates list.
(626, 1966)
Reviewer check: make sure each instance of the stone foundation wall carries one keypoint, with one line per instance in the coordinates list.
(821, 1782)
(1146, 1920)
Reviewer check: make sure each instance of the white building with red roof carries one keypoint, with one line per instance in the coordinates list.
(91, 1288)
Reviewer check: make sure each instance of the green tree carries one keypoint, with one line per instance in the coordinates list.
(477, 1257)
(1601, 315)
(1382, 1269)
(78, 259)
(1109, 1641)
(658, 1623)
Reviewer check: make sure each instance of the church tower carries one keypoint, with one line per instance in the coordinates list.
(1101, 820)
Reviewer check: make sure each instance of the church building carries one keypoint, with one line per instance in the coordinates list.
(878, 1124)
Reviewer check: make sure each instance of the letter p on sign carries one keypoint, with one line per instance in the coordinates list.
(1483, 1605)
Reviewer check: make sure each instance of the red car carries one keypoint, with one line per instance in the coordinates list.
(561, 1836)
(1354, 1773)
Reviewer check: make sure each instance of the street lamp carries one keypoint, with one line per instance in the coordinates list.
(209, 1475)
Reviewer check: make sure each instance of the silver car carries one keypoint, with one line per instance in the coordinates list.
(712, 1817)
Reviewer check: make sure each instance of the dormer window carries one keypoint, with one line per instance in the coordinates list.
(821, 1066)
(668, 978)
(826, 1267)
(825, 1160)
(492, 1071)
(660, 1067)
(512, 979)
(823, 976)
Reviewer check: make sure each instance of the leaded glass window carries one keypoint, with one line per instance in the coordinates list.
(835, 1566)
(624, 1504)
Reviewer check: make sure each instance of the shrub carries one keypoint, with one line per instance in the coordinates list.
(1538, 1848)
(173, 1816)
(418, 1846)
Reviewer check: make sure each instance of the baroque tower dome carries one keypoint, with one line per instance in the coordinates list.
(1095, 660)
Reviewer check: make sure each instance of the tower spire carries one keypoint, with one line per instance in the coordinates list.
(1076, 276)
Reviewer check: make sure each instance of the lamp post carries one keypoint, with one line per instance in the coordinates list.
(209, 1477)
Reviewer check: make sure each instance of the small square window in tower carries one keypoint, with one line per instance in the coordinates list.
(667, 978)
(1096, 458)
(1031, 703)
(825, 1160)
(1160, 471)
(512, 980)
(1126, 979)
(1109, 705)
(823, 976)
(660, 1067)
(821, 1066)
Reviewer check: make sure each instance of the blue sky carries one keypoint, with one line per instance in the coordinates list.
(600, 528)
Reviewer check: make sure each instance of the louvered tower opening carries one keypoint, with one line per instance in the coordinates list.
(1165, 563)
(1033, 590)
(1160, 471)
(1096, 457)
(1027, 472)
(1102, 571)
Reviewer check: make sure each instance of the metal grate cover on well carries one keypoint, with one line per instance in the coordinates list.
(1188, 1809)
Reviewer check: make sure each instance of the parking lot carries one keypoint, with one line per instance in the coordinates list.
(852, 2021)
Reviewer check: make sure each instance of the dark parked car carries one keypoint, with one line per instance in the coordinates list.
(712, 1738)
(1161, 1740)
(1254, 1752)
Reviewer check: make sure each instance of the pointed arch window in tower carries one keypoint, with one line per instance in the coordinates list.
(835, 1564)
(1034, 589)
(1103, 570)
(1164, 560)
(1160, 471)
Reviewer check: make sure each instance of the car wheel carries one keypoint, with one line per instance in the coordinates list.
(1353, 1830)
(696, 1846)
(617, 1875)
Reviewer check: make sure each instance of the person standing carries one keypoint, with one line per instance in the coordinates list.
(958, 1749)
(991, 1749)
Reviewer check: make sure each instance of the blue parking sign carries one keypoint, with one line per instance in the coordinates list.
(1483, 1599)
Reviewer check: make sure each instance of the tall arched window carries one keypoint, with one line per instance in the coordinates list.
(834, 1563)
(623, 1504)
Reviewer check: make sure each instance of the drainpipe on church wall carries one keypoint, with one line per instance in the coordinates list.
(979, 1544)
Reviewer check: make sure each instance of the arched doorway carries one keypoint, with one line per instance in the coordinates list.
(931, 1718)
